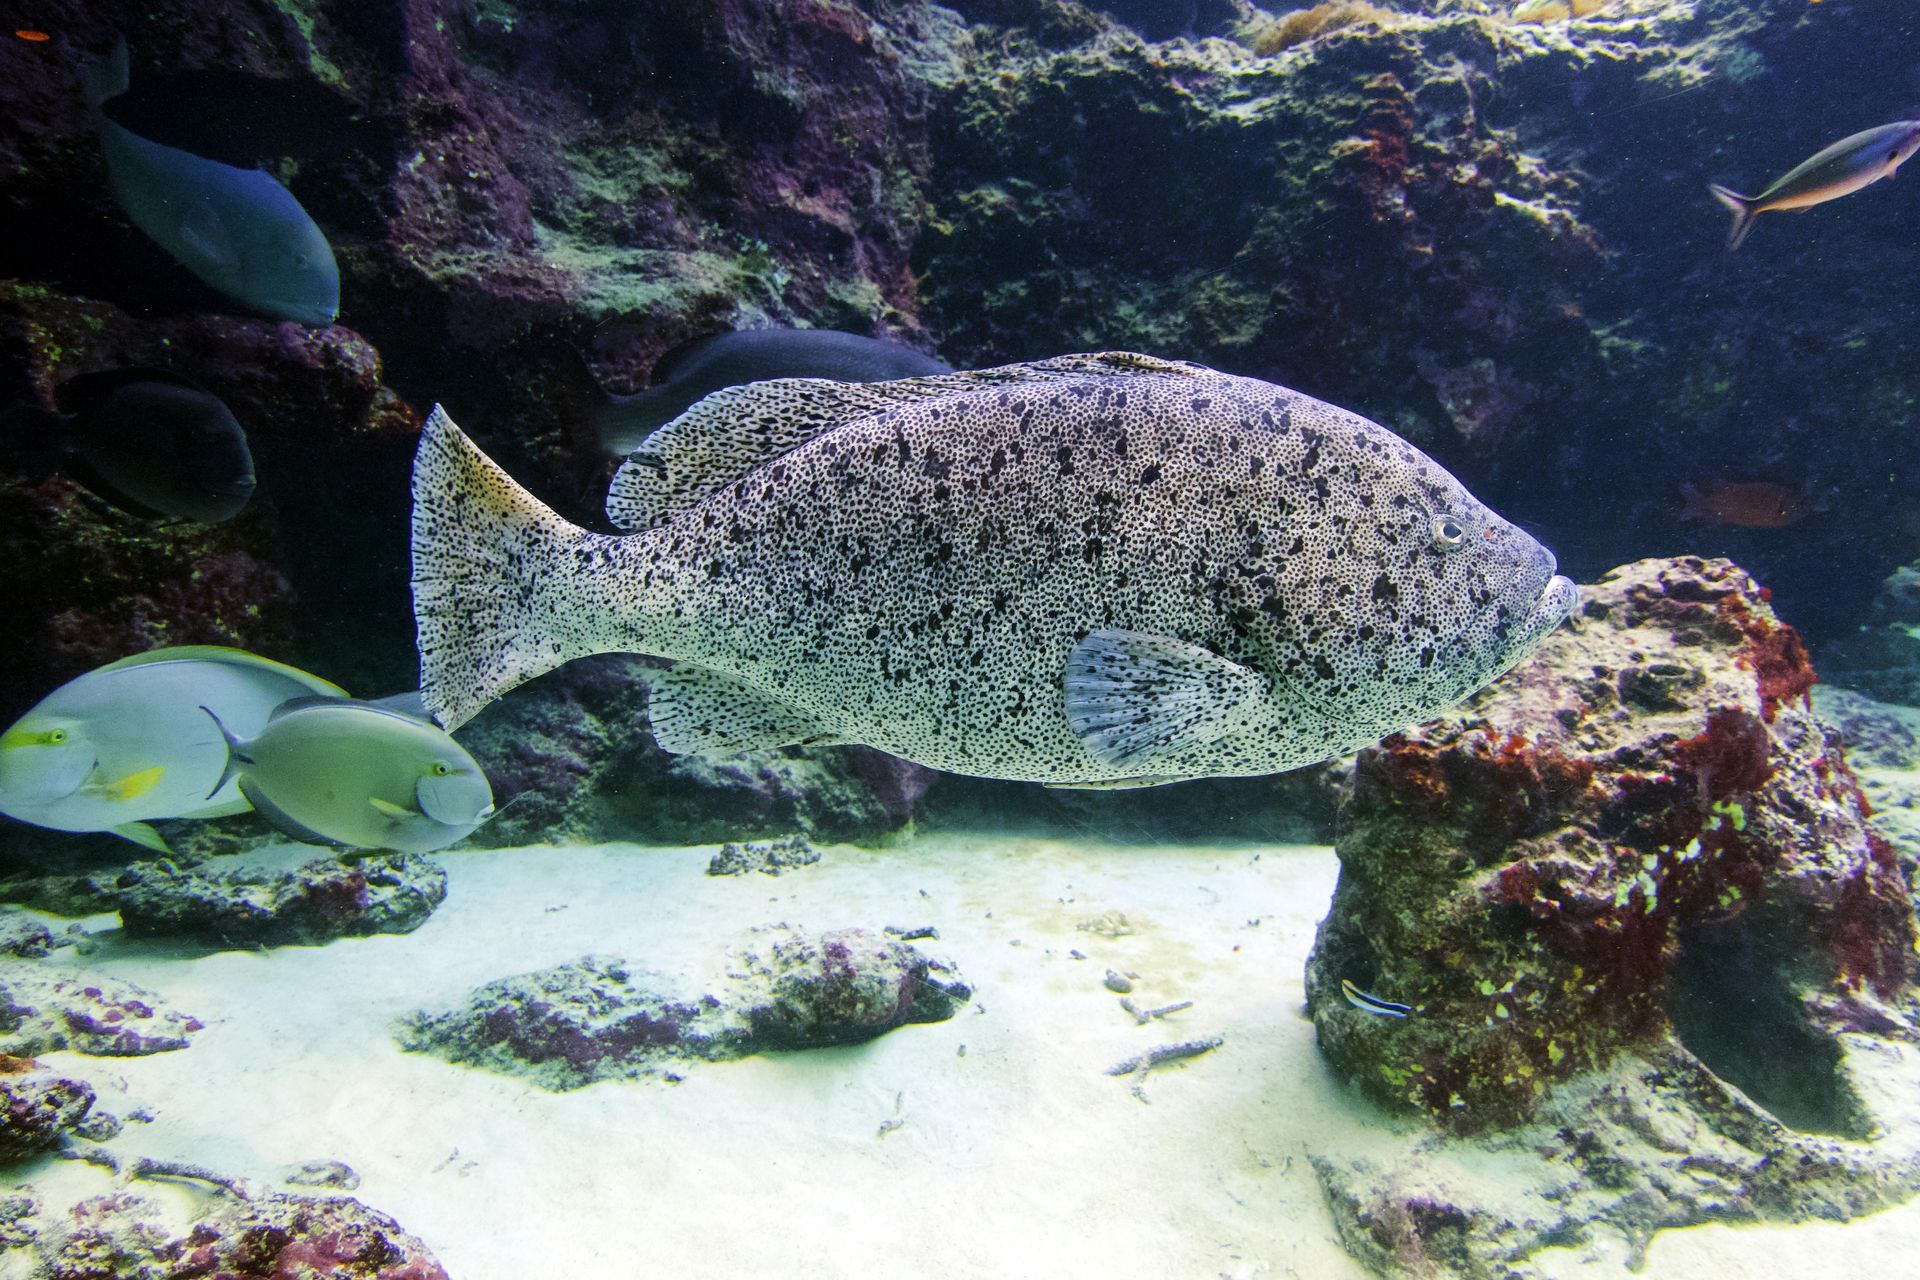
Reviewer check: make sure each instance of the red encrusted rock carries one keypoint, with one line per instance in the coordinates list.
(1632, 873)
(1528, 870)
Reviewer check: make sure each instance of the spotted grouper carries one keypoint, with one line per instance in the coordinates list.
(1096, 570)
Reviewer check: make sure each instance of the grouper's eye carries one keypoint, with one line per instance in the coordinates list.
(1448, 533)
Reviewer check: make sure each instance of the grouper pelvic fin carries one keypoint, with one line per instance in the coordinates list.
(729, 433)
(1132, 696)
(696, 710)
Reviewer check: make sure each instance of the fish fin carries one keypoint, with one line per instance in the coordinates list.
(695, 710)
(1132, 695)
(109, 77)
(82, 472)
(224, 809)
(491, 572)
(131, 787)
(142, 834)
(235, 657)
(1743, 209)
(673, 358)
(727, 434)
(86, 391)
(206, 238)
(624, 423)
(390, 809)
(304, 701)
(236, 756)
(408, 703)
(281, 821)
(1693, 503)
(36, 438)
(1118, 784)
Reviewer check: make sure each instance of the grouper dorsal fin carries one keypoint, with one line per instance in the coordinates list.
(729, 433)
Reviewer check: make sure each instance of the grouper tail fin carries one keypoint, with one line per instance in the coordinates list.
(502, 586)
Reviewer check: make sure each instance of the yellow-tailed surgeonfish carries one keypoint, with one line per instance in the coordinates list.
(1840, 170)
(127, 742)
(358, 773)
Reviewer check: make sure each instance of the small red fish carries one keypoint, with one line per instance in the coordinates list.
(36, 37)
(1754, 504)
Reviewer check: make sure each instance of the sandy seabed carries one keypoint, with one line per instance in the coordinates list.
(991, 1145)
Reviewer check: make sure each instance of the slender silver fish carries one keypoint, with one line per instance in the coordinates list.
(1840, 170)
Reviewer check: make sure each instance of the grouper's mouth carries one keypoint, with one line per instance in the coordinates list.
(1554, 605)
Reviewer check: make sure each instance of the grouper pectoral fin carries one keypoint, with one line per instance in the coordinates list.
(727, 434)
(1133, 696)
(696, 710)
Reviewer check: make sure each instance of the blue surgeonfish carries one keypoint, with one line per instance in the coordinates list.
(128, 742)
(355, 773)
(237, 229)
(1840, 170)
(704, 365)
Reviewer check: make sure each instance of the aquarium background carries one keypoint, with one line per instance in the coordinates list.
(1655, 948)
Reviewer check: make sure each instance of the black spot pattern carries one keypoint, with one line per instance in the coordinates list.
(919, 571)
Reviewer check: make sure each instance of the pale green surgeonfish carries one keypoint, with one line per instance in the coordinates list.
(127, 742)
(237, 229)
(325, 771)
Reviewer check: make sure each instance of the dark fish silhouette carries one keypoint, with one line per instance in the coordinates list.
(152, 443)
(1754, 504)
(236, 229)
(705, 365)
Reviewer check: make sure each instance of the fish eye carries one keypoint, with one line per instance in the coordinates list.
(57, 736)
(441, 768)
(1448, 533)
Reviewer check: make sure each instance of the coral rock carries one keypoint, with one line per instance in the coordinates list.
(1637, 869)
(595, 1019)
(326, 898)
(44, 1008)
(38, 1107)
(273, 1236)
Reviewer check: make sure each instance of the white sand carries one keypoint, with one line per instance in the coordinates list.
(1019, 1158)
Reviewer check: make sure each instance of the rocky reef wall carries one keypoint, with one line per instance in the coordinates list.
(1493, 237)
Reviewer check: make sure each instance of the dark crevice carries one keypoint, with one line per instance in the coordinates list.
(1733, 1008)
